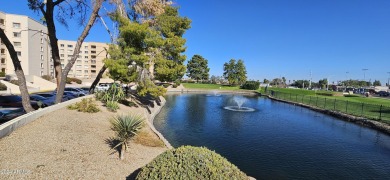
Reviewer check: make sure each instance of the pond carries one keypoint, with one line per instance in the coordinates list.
(276, 140)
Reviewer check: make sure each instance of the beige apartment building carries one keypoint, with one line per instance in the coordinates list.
(30, 41)
(88, 63)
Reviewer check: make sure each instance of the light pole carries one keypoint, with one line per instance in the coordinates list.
(388, 79)
(364, 72)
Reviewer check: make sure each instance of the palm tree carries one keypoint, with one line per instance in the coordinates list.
(125, 127)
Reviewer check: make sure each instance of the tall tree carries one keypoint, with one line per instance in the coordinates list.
(18, 71)
(172, 28)
(323, 83)
(66, 9)
(234, 72)
(197, 68)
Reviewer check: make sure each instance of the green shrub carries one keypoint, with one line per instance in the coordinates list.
(2, 74)
(69, 80)
(112, 106)
(47, 77)
(166, 85)
(351, 95)
(3, 87)
(189, 162)
(174, 86)
(324, 93)
(85, 105)
(127, 103)
(177, 82)
(16, 82)
(251, 85)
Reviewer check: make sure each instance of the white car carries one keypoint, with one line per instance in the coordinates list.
(102, 87)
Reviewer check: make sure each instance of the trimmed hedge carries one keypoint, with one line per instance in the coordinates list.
(2, 74)
(189, 162)
(3, 87)
(69, 80)
(325, 93)
(251, 85)
(47, 77)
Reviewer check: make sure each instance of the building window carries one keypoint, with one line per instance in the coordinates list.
(93, 46)
(41, 49)
(62, 65)
(86, 61)
(93, 66)
(41, 65)
(62, 50)
(93, 57)
(62, 45)
(2, 60)
(41, 40)
(79, 71)
(51, 66)
(78, 61)
(70, 50)
(41, 57)
(93, 71)
(78, 66)
(17, 34)
(2, 51)
(93, 61)
(2, 69)
(62, 55)
(52, 74)
(93, 52)
(2, 21)
(86, 66)
(86, 57)
(19, 53)
(41, 73)
(70, 46)
(16, 25)
(85, 71)
(17, 44)
(62, 60)
(85, 47)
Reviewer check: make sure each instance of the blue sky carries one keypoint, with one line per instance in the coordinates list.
(276, 38)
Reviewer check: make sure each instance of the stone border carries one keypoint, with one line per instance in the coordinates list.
(150, 120)
(10, 126)
(382, 127)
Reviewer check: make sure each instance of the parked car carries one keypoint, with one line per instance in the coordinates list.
(48, 101)
(68, 94)
(16, 101)
(52, 96)
(7, 114)
(77, 91)
(383, 93)
(102, 87)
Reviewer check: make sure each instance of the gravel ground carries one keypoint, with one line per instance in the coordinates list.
(67, 144)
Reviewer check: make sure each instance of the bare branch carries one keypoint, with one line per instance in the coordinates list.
(58, 2)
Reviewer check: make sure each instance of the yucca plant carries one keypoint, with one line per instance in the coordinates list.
(125, 127)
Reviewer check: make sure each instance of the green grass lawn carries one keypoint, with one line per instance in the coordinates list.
(337, 95)
(210, 86)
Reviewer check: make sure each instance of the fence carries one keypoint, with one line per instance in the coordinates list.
(370, 111)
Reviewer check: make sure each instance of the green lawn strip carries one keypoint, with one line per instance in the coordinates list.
(359, 106)
(209, 86)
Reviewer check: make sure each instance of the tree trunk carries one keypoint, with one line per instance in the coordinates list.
(18, 71)
(151, 70)
(122, 153)
(98, 77)
(55, 54)
(68, 67)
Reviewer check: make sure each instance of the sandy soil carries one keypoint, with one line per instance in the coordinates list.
(67, 144)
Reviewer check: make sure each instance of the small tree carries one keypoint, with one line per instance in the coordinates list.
(377, 83)
(125, 127)
(197, 68)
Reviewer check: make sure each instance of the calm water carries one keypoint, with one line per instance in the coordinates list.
(278, 140)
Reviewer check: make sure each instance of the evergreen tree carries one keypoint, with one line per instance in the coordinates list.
(234, 72)
(377, 83)
(197, 68)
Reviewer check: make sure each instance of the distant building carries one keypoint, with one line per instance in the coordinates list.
(30, 42)
(89, 61)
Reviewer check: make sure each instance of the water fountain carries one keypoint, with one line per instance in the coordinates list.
(239, 102)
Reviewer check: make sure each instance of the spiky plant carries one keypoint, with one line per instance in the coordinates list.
(125, 127)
